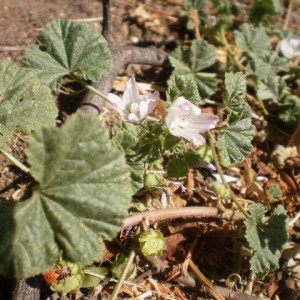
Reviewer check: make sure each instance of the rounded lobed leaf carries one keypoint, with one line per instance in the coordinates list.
(68, 47)
(83, 194)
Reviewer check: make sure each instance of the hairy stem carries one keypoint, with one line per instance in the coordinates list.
(176, 213)
(220, 171)
(288, 15)
(16, 162)
(121, 280)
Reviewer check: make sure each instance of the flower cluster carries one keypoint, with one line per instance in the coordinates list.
(184, 119)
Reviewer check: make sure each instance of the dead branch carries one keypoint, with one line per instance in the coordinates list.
(122, 56)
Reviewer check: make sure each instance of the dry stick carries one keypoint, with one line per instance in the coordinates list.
(12, 48)
(176, 213)
(208, 285)
(106, 20)
(122, 278)
(122, 56)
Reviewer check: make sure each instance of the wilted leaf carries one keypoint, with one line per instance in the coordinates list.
(25, 103)
(81, 200)
(67, 47)
(266, 238)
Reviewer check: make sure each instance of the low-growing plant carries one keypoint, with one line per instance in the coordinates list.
(84, 180)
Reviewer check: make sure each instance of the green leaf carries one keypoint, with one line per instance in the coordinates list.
(25, 103)
(81, 200)
(250, 38)
(92, 281)
(183, 87)
(290, 112)
(190, 62)
(193, 159)
(274, 192)
(67, 47)
(195, 4)
(174, 143)
(266, 65)
(266, 238)
(235, 90)
(177, 167)
(128, 139)
(153, 181)
(262, 7)
(235, 139)
(271, 88)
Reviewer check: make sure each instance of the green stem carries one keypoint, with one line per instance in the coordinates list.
(220, 171)
(89, 87)
(231, 53)
(262, 105)
(15, 161)
(92, 89)
(121, 280)
(288, 15)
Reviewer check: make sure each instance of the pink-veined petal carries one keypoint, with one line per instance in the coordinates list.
(186, 120)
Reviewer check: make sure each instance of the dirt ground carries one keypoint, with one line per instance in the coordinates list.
(134, 22)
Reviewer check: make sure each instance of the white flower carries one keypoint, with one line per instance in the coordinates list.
(133, 107)
(290, 48)
(184, 119)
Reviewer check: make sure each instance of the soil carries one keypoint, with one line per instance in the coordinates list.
(141, 23)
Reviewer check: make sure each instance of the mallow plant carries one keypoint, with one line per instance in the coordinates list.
(84, 177)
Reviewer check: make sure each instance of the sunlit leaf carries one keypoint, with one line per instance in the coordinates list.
(25, 103)
(266, 237)
(185, 87)
(67, 47)
(270, 88)
(266, 65)
(235, 138)
(250, 38)
(191, 61)
(83, 192)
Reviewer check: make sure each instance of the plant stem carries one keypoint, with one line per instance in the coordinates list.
(15, 161)
(231, 52)
(288, 15)
(92, 89)
(89, 87)
(263, 106)
(220, 171)
(121, 280)
(176, 213)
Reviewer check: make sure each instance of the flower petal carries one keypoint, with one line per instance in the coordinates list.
(185, 119)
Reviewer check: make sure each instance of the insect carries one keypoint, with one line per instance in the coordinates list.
(55, 275)
(125, 234)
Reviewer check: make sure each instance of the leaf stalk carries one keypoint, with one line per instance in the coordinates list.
(220, 171)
